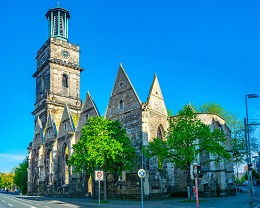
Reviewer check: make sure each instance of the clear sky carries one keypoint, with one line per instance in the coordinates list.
(201, 51)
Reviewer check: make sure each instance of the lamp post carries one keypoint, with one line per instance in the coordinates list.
(247, 139)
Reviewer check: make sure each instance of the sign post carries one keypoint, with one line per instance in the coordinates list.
(99, 176)
(141, 173)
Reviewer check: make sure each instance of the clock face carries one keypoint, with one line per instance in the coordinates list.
(65, 54)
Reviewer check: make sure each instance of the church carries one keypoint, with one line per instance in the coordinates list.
(59, 114)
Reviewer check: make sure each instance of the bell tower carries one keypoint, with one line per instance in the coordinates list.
(58, 19)
(58, 70)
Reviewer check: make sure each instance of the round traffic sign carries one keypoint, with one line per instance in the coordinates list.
(141, 173)
(99, 175)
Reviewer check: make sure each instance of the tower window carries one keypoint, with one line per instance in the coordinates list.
(65, 80)
(87, 117)
(121, 104)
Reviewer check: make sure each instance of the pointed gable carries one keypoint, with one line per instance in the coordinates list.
(38, 134)
(50, 129)
(89, 109)
(155, 99)
(66, 124)
(123, 97)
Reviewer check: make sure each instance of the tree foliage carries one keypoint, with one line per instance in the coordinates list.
(6, 180)
(188, 137)
(237, 128)
(234, 123)
(103, 145)
(20, 175)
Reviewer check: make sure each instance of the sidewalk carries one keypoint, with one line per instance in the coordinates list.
(241, 200)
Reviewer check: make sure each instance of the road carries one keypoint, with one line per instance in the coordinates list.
(16, 201)
(240, 200)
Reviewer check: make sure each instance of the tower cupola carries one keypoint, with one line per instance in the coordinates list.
(58, 19)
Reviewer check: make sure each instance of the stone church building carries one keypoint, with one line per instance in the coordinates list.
(60, 114)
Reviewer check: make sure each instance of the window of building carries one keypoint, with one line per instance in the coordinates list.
(160, 131)
(121, 104)
(65, 80)
(87, 117)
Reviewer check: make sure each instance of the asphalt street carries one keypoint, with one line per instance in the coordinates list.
(241, 200)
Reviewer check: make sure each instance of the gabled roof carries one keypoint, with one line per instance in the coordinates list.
(155, 99)
(38, 131)
(50, 124)
(66, 118)
(88, 108)
(89, 103)
(120, 78)
(122, 85)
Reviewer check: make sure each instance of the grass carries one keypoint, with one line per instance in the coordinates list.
(104, 202)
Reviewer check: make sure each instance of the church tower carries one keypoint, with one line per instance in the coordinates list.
(58, 70)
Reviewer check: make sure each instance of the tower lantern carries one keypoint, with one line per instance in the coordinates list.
(58, 19)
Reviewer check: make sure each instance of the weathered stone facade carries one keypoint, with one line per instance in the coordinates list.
(60, 115)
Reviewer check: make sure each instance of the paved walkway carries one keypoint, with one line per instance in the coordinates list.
(241, 200)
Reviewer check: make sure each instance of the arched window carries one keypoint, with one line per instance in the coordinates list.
(66, 167)
(160, 132)
(87, 117)
(121, 104)
(65, 80)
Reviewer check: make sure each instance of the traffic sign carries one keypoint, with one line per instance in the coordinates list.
(141, 173)
(99, 175)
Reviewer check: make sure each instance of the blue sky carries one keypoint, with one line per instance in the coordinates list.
(201, 51)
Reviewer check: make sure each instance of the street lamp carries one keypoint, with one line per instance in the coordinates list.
(247, 139)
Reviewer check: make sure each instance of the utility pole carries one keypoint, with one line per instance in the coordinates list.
(195, 171)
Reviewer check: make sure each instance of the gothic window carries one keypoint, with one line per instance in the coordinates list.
(121, 84)
(121, 104)
(65, 80)
(87, 117)
(66, 167)
(50, 166)
(160, 132)
(65, 126)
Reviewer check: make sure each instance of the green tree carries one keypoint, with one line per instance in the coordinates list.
(103, 145)
(237, 129)
(7, 180)
(232, 119)
(187, 137)
(20, 175)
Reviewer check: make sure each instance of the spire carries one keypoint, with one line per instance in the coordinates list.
(58, 19)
